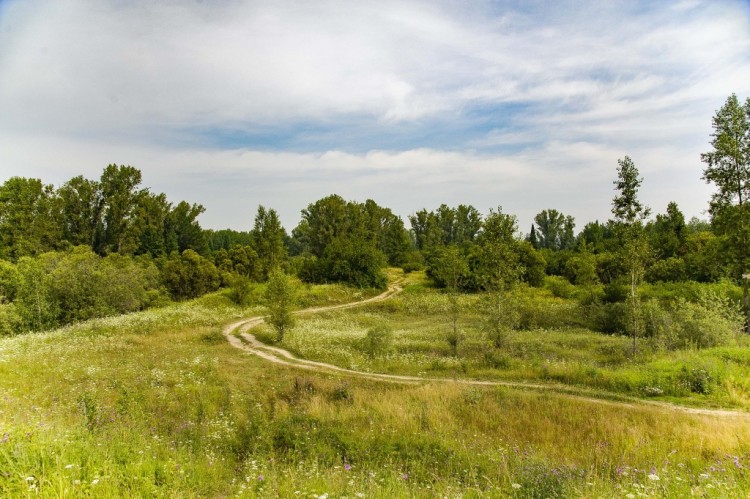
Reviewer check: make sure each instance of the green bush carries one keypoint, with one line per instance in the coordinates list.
(559, 286)
(712, 321)
(607, 317)
(378, 340)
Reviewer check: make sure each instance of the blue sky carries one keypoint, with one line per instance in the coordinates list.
(232, 103)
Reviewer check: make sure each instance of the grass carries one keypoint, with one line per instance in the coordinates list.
(157, 404)
(568, 354)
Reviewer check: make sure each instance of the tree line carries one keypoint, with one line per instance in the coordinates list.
(97, 247)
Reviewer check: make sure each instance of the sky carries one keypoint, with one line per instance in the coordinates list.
(526, 105)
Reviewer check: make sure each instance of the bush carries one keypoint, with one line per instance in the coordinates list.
(559, 286)
(189, 275)
(378, 340)
(240, 289)
(607, 317)
(712, 321)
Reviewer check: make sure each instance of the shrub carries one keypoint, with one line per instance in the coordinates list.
(607, 317)
(378, 340)
(712, 321)
(559, 286)
(189, 275)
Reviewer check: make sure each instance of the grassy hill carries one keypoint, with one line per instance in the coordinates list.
(158, 404)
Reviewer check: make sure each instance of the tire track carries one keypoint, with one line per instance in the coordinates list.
(247, 342)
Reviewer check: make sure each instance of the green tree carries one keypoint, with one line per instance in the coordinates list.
(189, 275)
(629, 215)
(268, 239)
(668, 232)
(182, 230)
(80, 200)
(554, 230)
(450, 268)
(151, 215)
(279, 297)
(728, 168)
(120, 198)
(29, 218)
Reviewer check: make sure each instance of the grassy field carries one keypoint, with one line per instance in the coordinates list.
(157, 404)
(569, 354)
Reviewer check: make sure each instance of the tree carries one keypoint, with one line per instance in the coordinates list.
(450, 268)
(29, 218)
(151, 215)
(728, 168)
(80, 200)
(629, 216)
(268, 239)
(668, 232)
(279, 300)
(554, 230)
(182, 230)
(120, 198)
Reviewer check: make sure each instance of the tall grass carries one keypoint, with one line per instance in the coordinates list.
(157, 404)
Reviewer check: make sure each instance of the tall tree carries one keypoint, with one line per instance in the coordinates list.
(120, 195)
(728, 168)
(554, 230)
(29, 218)
(80, 200)
(668, 232)
(182, 230)
(151, 215)
(268, 239)
(629, 215)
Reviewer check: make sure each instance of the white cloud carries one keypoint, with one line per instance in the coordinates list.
(542, 98)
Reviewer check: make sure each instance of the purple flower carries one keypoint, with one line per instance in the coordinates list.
(405, 476)
(347, 466)
(260, 478)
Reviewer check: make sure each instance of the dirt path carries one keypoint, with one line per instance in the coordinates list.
(249, 343)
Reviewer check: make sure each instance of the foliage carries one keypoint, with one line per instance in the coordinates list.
(728, 168)
(60, 288)
(712, 321)
(279, 297)
(268, 238)
(240, 289)
(554, 230)
(189, 275)
(378, 340)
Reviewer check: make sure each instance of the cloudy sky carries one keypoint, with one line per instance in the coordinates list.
(232, 103)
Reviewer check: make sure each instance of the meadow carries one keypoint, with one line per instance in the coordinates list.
(158, 404)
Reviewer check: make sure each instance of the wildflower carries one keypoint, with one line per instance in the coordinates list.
(260, 478)
(30, 478)
(516, 486)
(347, 466)
(405, 476)
(94, 481)
(654, 477)
(68, 466)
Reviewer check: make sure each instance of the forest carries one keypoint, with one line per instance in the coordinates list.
(95, 248)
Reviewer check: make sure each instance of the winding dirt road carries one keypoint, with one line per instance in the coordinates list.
(237, 333)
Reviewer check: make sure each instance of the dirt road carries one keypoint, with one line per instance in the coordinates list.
(239, 337)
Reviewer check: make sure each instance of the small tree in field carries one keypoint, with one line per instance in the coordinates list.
(629, 216)
(279, 298)
(450, 268)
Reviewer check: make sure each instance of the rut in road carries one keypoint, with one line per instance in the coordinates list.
(247, 342)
